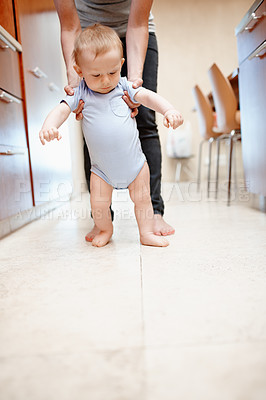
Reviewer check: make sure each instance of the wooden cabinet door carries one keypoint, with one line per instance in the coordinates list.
(43, 68)
(15, 183)
(15, 179)
(7, 19)
(12, 132)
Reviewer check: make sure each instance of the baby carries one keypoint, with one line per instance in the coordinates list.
(117, 160)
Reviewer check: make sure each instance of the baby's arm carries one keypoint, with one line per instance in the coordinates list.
(157, 103)
(53, 121)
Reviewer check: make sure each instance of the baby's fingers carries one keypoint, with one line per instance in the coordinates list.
(178, 120)
(166, 122)
(175, 120)
(41, 136)
(49, 134)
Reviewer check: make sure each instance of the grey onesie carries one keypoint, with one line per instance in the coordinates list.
(111, 134)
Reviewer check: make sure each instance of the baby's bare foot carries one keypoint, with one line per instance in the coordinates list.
(91, 235)
(160, 227)
(102, 238)
(150, 239)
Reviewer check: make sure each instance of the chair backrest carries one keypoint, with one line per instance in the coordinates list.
(205, 114)
(224, 100)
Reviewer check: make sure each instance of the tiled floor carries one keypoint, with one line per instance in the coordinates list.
(126, 322)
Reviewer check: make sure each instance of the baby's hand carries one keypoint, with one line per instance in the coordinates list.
(49, 134)
(172, 118)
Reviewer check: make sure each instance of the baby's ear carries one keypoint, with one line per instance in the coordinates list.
(78, 70)
(122, 61)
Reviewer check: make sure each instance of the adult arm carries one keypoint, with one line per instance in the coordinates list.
(137, 37)
(70, 28)
(137, 42)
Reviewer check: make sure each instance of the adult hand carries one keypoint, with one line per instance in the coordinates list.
(134, 106)
(78, 111)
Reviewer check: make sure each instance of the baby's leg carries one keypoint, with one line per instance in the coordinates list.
(139, 191)
(101, 195)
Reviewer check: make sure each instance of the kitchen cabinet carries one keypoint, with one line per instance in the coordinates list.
(31, 70)
(15, 178)
(42, 70)
(251, 42)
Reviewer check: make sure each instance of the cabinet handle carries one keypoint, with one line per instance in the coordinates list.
(53, 87)
(3, 46)
(257, 52)
(252, 19)
(38, 73)
(8, 98)
(11, 153)
(9, 41)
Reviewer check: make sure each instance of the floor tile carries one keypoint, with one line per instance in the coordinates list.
(231, 372)
(112, 375)
(209, 284)
(131, 322)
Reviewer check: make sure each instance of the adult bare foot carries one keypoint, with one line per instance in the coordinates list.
(160, 227)
(91, 235)
(149, 239)
(102, 238)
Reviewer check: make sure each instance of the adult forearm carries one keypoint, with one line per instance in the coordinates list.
(67, 43)
(137, 42)
(70, 28)
(137, 37)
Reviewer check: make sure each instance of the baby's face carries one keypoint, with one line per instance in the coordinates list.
(102, 73)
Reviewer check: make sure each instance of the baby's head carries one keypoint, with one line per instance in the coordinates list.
(98, 57)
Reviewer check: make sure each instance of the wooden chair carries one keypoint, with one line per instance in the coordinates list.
(206, 128)
(228, 117)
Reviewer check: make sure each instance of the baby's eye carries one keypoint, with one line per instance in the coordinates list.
(96, 76)
(112, 73)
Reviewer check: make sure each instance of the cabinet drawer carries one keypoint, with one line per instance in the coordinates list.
(252, 88)
(251, 32)
(10, 74)
(12, 130)
(15, 182)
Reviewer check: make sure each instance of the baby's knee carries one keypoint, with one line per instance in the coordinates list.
(142, 197)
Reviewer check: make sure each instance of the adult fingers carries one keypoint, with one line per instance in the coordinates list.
(78, 110)
(137, 83)
(69, 90)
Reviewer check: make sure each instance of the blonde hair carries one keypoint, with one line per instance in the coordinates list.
(97, 39)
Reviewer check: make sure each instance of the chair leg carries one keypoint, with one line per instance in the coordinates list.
(230, 167)
(199, 165)
(209, 166)
(235, 165)
(217, 168)
(237, 136)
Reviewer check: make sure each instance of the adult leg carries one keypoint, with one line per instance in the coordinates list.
(101, 196)
(139, 191)
(149, 137)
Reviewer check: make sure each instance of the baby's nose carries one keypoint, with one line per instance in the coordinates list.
(105, 79)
